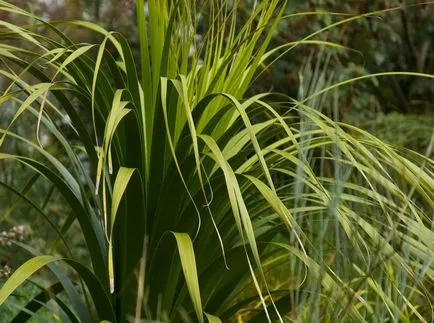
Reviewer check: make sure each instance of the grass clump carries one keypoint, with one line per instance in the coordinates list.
(197, 202)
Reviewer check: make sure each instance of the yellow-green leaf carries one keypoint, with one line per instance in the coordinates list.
(23, 273)
(188, 262)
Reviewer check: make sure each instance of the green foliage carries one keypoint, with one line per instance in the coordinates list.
(396, 38)
(197, 193)
(409, 131)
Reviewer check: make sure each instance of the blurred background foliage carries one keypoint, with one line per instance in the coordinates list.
(399, 40)
(397, 109)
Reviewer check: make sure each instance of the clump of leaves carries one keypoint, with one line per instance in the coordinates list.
(199, 190)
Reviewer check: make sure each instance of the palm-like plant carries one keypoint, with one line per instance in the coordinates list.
(205, 202)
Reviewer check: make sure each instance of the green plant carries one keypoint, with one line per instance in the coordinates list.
(409, 131)
(204, 202)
